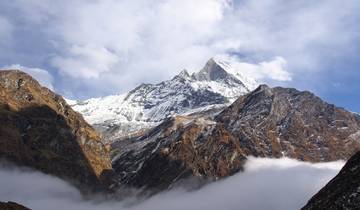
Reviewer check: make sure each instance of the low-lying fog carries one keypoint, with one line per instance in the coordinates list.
(279, 184)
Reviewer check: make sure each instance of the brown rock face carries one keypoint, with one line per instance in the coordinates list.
(268, 122)
(12, 206)
(275, 122)
(174, 150)
(38, 129)
(342, 192)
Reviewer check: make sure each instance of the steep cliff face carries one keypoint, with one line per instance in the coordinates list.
(275, 122)
(268, 122)
(342, 192)
(38, 129)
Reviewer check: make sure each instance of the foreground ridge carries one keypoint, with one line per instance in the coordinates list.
(39, 130)
(342, 192)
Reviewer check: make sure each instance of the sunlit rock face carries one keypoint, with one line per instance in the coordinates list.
(38, 129)
(267, 122)
(275, 122)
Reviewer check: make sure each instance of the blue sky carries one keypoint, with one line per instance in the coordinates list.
(90, 48)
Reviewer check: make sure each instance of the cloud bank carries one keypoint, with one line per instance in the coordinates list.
(279, 184)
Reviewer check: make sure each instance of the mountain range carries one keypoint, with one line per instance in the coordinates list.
(200, 126)
(212, 88)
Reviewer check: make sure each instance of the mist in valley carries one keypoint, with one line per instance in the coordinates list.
(280, 184)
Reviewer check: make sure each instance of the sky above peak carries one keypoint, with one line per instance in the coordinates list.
(91, 48)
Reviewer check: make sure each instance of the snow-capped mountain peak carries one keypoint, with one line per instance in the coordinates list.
(214, 86)
(233, 68)
(184, 74)
(211, 72)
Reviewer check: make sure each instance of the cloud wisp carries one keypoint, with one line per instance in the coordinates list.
(278, 184)
(274, 69)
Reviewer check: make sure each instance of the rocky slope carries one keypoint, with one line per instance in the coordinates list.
(39, 130)
(275, 122)
(342, 192)
(215, 86)
(268, 122)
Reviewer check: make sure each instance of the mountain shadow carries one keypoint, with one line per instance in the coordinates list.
(39, 130)
(342, 192)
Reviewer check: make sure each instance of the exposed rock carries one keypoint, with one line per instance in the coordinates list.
(268, 122)
(39, 130)
(12, 206)
(342, 192)
(170, 152)
(212, 72)
(276, 122)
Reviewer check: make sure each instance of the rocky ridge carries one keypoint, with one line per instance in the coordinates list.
(268, 122)
(39, 130)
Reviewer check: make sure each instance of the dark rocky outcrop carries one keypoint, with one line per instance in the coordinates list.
(39, 130)
(342, 192)
(12, 206)
(268, 122)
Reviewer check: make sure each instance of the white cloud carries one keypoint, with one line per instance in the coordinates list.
(41, 75)
(273, 184)
(86, 61)
(124, 43)
(139, 37)
(301, 32)
(273, 69)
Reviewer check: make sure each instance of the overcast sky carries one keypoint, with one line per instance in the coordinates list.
(90, 48)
